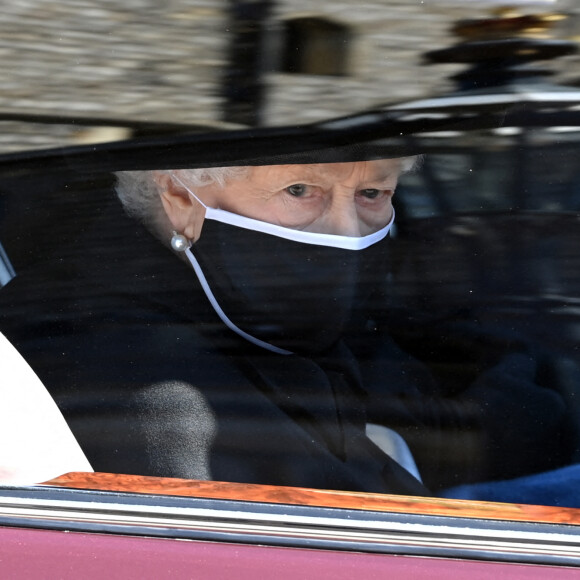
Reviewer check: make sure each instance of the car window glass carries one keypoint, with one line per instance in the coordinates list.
(406, 320)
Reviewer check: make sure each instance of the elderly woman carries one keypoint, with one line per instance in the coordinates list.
(217, 353)
(283, 247)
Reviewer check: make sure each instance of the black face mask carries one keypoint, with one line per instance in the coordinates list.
(286, 295)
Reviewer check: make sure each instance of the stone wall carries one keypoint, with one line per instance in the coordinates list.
(150, 61)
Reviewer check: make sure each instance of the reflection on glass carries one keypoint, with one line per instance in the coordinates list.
(265, 324)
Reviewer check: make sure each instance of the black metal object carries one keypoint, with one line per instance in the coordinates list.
(500, 53)
(244, 87)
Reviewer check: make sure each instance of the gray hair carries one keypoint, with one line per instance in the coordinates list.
(410, 164)
(140, 194)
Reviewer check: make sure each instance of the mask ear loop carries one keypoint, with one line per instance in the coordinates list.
(173, 176)
(223, 316)
(186, 248)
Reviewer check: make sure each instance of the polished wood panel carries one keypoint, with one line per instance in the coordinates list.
(316, 497)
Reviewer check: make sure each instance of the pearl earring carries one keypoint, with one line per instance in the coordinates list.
(179, 242)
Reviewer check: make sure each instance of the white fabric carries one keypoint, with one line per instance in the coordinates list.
(394, 446)
(316, 239)
(36, 443)
(313, 238)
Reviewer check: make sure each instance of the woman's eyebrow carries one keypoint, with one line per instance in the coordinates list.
(303, 175)
(320, 176)
(382, 178)
(311, 172)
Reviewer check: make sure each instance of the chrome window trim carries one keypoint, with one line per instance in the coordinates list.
(290, 526)
(6, 269)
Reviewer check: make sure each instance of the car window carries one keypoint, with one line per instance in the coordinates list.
(254, 245)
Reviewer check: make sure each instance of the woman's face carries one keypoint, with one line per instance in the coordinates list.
(348, 199)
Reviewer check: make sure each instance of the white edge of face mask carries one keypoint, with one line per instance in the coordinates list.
(330, 240)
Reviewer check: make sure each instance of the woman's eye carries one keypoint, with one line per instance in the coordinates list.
(297, 190)
(370, 193)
